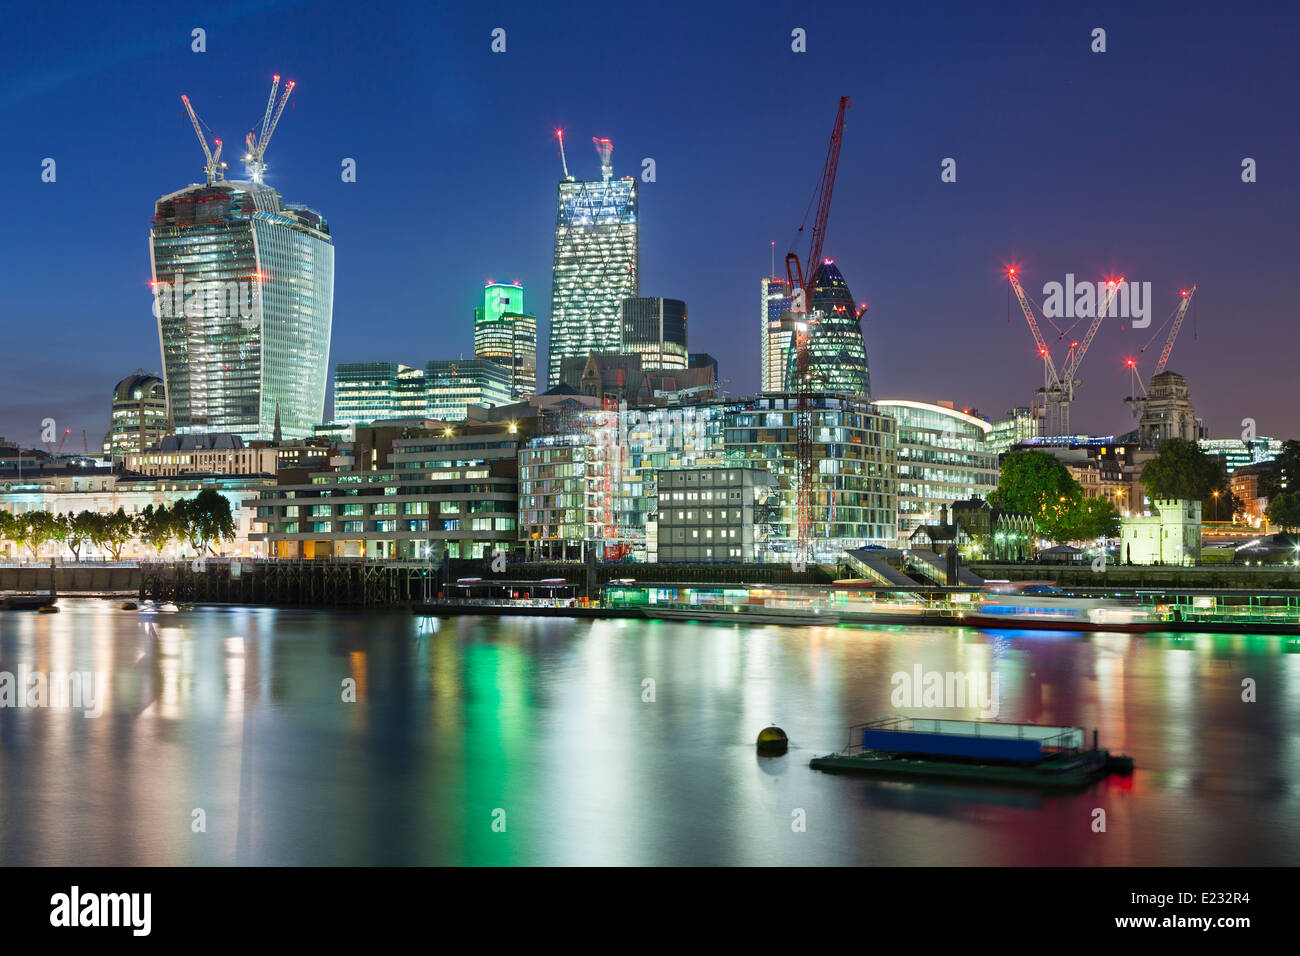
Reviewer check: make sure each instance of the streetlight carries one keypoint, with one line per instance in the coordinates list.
(1215, 495)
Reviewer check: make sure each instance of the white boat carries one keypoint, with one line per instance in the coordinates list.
(1041, 602)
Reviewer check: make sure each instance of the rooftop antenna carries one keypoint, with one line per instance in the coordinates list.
(559, 133)
(605, 148)
(773, 258)
(253, 162)
(214, 166)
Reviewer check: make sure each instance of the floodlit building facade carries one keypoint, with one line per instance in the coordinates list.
(1170, 536)
(244, 298)
(69, 491)
(504, 333)
(597, 264)
(942, 458)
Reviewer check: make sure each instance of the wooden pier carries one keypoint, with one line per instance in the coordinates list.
(295, 583)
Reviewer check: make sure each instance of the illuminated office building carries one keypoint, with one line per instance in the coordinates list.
(655, 329)
(774, 344)
(942, 458)
(504, 333)
(244, 297)
(451, 385)
(597, 264)
(139, 415)
(854, 496)
(367, 392)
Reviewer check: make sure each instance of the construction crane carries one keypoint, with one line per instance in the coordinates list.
(1135, 376)
(253, 161)
(1058, 388)
(214, 167)
(801, 292)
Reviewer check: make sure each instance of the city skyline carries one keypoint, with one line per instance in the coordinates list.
(927, 255)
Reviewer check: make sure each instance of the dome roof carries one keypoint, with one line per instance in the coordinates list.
(146, 383)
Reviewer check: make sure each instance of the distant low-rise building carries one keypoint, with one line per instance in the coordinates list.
(1239, 452)
(995, 534)
(73, 489)
(1243, 482)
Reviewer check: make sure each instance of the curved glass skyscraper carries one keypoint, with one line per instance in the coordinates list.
(837, 356)
(244, 296)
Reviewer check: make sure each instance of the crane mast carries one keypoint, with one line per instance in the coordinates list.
(1058, 387)
(1173, 332)
(801, 290)
(1135, 376)
(253, 160)
(213, 167)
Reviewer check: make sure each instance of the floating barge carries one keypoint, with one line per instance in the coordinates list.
(28, 602)
(1024, 755)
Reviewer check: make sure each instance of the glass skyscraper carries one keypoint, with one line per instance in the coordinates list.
(837, 357)
(655, 329)
(244, 297)
(504, 333)
(597, 265)
(774, 345)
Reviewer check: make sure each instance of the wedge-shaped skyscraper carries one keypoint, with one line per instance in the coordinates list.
(244, 298)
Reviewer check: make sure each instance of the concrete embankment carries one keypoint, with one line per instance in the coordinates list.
(71, 579)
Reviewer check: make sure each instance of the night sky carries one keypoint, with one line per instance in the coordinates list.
(1067, 162)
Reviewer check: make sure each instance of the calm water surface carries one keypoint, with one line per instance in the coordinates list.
(238, 712)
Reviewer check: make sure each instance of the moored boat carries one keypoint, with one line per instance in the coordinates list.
(1030, 755)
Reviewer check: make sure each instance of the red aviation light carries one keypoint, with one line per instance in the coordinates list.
(1183, 293)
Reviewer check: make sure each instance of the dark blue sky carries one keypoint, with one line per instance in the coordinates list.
(1067, 161)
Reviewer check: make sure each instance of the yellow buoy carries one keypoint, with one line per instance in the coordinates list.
(772, 741)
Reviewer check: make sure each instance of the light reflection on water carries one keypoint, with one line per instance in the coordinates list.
(542, 723)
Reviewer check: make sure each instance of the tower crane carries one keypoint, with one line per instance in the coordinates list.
(214, 167)
(1058, 387)
(253, 161)
(801, 291)
(1185, 299)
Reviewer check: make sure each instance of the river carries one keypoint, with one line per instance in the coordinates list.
(224, 737)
